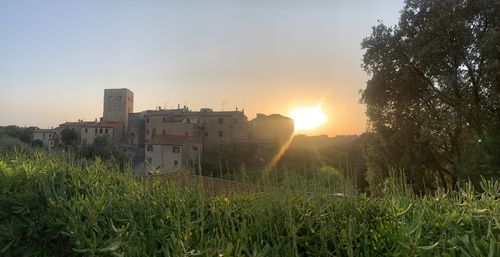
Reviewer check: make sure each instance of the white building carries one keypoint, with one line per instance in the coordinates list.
(48, 137)
(168, 153)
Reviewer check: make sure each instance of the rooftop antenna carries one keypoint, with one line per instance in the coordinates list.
(223, 103)
(185, 102)
(165, 105)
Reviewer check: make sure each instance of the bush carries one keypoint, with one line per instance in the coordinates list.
(10, 144)
(50, 207)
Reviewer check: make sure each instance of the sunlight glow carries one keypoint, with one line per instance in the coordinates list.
(307, 118)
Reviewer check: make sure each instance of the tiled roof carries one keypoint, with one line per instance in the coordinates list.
(45, 131)
(103, 124)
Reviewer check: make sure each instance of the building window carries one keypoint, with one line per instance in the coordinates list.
(186, 134)
(154, 131)
(110, 98)
(147, 131)
(147, 120)
(206, 134)
(106, 131)
(163, 131)
(221, 133)
(221, 120)
(95, 130)
(235, 121)
(176, 163)
(150, 160)
(119, 98)
(176, 149)
(86, 130)
(100, 131)
(195, 148)
(149, 148)
(164, 119)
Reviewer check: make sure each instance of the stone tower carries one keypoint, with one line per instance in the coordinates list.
(118, 103)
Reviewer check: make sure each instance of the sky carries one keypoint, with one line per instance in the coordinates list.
(263, 56)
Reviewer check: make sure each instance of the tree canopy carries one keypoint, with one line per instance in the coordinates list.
(433, 96)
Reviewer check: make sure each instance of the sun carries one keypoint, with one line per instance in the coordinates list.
(307, 118)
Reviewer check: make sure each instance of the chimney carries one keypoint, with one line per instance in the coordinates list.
(236, 108)
(178, 106)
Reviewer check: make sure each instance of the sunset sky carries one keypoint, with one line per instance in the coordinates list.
(265, 56)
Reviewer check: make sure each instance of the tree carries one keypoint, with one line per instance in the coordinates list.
(104, 149)
(69, 137)
(433, 97)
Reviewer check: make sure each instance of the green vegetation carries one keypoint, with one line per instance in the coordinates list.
(52, 207)
(433, 97)
(17, 138)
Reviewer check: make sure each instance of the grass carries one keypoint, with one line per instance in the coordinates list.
(50, 206)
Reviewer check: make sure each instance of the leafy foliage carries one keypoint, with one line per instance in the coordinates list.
(69, 137)
(51, 207)
(105, 150)
(433, 99)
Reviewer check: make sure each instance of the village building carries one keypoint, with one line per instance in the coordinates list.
(48, 137)
(169, 139)
(216, 127)
(170, 153)
(111, 131)
(271, 128)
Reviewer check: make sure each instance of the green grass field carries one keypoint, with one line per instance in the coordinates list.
(51, 207)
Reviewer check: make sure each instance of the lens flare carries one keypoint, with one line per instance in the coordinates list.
(307, 118)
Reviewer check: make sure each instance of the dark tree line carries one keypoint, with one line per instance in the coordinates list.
(433, 97)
